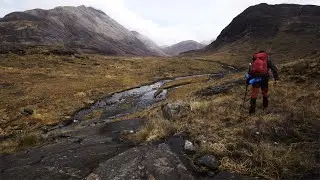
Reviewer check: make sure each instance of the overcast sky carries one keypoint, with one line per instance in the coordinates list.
(164, 21)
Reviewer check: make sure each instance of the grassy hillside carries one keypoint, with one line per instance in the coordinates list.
(281, 142)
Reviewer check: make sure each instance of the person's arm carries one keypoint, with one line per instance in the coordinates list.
(273, 69)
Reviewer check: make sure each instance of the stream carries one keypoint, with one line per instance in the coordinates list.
(132, 100)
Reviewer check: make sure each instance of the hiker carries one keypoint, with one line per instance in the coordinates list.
(258, 77)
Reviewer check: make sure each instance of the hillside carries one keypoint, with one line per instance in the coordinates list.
(183, 46)
(83, 28)
(288, 29)
(152, 46)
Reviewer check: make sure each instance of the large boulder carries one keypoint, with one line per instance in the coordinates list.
(145, 162)
(175, 111)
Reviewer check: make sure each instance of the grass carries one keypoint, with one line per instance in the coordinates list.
(280, 143)
(55, 87)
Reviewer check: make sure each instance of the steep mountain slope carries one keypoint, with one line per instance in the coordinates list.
(183, 46)
(287, 29)
(152, 46)
(80, 27)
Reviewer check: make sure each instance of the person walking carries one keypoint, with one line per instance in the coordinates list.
(258, 76)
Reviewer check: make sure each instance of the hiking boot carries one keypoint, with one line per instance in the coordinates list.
(252, 109)
(265, 102)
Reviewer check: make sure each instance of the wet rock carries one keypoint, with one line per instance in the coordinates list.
(28, 111)
(175, 111)
(209, 161)
(158, 162)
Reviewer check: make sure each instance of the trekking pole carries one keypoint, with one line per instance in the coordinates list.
(246, 93)
(245, 96)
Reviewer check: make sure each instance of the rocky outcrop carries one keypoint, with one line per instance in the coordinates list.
(146, 162)
(83, 28)
(183, 46)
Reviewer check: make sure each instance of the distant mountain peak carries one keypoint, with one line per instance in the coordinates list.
(183, 46)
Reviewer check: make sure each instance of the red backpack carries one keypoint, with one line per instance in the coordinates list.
(260, 64)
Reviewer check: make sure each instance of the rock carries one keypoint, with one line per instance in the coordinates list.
(175, 111)
(189, 147)
(209, 161)
(28, 111)
(157, 162)
(231, 176)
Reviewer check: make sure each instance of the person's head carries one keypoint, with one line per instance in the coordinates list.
(262, 51)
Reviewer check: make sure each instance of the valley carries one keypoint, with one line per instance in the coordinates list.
(90, 99)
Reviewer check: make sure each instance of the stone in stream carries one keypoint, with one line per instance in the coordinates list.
(175, 111)
(144, 162)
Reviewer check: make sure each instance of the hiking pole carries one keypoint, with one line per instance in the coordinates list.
(246, 93)
(245, 96)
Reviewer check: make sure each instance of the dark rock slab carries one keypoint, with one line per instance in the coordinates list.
(72, 155)
(145, 162)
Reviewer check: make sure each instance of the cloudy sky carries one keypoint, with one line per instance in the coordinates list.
(165, 21)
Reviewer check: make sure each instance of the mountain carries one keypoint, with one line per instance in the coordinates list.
(286, 29)
(82, 27)
(183, 46)
(152, 46)
(206, 42)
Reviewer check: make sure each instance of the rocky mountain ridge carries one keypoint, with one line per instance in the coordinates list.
(83, 28)
(152, 46)
(284, 29)
(183, 46)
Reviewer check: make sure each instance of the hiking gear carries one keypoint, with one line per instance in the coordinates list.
(265, 102)
(260, 64)
(252, 109)
(247, 76)
(245, 96)
(255, 81)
